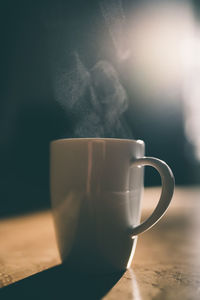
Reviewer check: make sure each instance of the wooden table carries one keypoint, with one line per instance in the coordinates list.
(166, 263)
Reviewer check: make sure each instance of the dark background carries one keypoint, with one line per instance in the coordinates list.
(42, 42)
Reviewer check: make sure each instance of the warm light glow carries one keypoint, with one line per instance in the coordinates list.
(161, 43)
(159, 34)
(191, 90)
(165, 58)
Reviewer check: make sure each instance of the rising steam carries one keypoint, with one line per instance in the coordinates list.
(115, 20)
(94, 98)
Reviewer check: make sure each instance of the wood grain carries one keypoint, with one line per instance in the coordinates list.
(166, 263)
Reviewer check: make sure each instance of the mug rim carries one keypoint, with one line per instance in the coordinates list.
(134, 141)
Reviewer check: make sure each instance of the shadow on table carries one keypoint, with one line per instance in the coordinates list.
(57, 283)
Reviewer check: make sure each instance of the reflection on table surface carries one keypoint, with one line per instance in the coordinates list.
(166, 263)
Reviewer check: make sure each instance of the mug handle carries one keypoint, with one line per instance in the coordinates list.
(167, 179)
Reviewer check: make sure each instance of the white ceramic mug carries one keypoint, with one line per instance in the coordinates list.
(96, 189)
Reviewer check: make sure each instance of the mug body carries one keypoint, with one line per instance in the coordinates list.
(96, 198)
